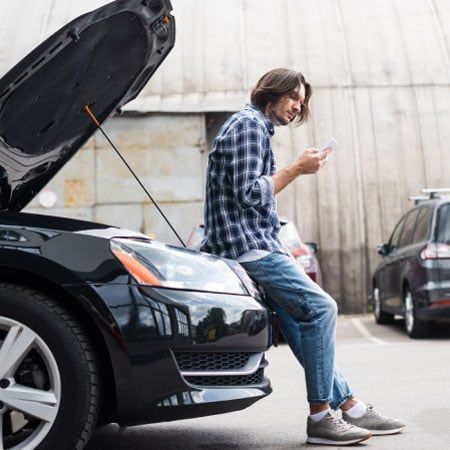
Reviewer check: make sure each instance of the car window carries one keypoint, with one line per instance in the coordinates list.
(422, 230)
(444, 224)
(393, 241)
(408, 229)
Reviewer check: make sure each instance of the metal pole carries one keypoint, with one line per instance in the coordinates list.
(91, 115)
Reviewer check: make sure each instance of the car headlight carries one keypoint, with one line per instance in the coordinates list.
(251, 286)
(161, 265)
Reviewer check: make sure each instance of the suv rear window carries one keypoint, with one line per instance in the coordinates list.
(443, 231)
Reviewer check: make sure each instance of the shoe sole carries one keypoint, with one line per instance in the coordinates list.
(385, 432)
(313, 440)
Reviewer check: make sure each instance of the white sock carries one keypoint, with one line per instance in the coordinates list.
(317, 417)
(357, 410)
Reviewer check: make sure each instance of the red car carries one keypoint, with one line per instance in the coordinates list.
(303, 253)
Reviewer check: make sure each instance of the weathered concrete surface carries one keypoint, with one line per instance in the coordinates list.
(164, 151)
(183, 217)
(75, 183)
(71, 213)
(128, 216)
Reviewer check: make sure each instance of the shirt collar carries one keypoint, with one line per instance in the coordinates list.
(267, 122)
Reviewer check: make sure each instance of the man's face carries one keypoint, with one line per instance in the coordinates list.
(286, 108)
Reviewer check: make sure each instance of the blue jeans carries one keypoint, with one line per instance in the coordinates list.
(308, 322)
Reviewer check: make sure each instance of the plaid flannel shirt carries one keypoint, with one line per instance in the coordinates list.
(240, 210)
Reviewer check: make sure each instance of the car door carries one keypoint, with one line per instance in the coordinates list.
(385, 289)
(399, 259)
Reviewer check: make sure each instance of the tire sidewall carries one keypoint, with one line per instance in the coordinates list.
(62, 343)
(420, 328)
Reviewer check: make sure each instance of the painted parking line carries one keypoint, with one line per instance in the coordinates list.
(366, 333)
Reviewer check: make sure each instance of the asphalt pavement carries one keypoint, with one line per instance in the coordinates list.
(401, 377)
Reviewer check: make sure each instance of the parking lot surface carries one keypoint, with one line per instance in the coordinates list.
(401, 377)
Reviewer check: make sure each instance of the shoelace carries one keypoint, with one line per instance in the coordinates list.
(340, 423)
(370, 408)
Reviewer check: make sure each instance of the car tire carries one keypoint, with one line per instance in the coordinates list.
(381, 317)
(415, 328)
(48, 368)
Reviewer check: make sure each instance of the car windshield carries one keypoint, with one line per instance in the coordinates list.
(444, 224)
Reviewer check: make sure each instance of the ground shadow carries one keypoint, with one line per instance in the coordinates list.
(161, 437)
(438, 330)
(158, 437)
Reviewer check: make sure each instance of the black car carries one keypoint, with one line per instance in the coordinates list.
(413, 279)
(100, 324)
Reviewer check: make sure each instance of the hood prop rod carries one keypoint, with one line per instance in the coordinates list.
(94, 119)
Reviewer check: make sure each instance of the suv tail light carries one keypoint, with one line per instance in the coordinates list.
(435, 251)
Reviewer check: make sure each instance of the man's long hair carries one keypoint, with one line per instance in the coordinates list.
(278, 83)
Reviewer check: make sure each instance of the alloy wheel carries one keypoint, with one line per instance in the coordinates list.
(376, 303)
(409, 312)
(30, 387)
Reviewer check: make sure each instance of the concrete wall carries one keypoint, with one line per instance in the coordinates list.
(166, 153)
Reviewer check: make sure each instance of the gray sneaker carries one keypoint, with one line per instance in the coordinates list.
(375, 422)
(332, 430)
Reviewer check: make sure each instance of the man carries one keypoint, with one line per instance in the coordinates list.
(241, 223)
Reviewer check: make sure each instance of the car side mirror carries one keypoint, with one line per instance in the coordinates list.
(383, 249)
(314, 246)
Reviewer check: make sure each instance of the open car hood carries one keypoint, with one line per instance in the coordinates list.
(102, 59)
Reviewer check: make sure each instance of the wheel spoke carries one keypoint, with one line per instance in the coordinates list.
(409, 312)
(15, 347)
(40, 404)
(1, 430)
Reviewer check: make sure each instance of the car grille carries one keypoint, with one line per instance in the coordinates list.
(221, 369)
(233, 380)
(198, 361)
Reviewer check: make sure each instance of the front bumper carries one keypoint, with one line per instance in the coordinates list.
(153, 327)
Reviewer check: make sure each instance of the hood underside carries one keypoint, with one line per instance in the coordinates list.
(102, 59)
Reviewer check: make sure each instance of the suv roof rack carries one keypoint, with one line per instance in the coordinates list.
(430, 194)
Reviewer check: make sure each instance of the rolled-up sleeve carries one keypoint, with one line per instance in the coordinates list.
(251, 184)
(267, 189)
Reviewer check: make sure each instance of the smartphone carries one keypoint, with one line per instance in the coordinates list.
(331, 144)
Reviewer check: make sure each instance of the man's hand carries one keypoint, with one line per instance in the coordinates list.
(309, 161)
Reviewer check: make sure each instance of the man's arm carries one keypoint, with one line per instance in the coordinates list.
(310, 161)
(246, 165)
